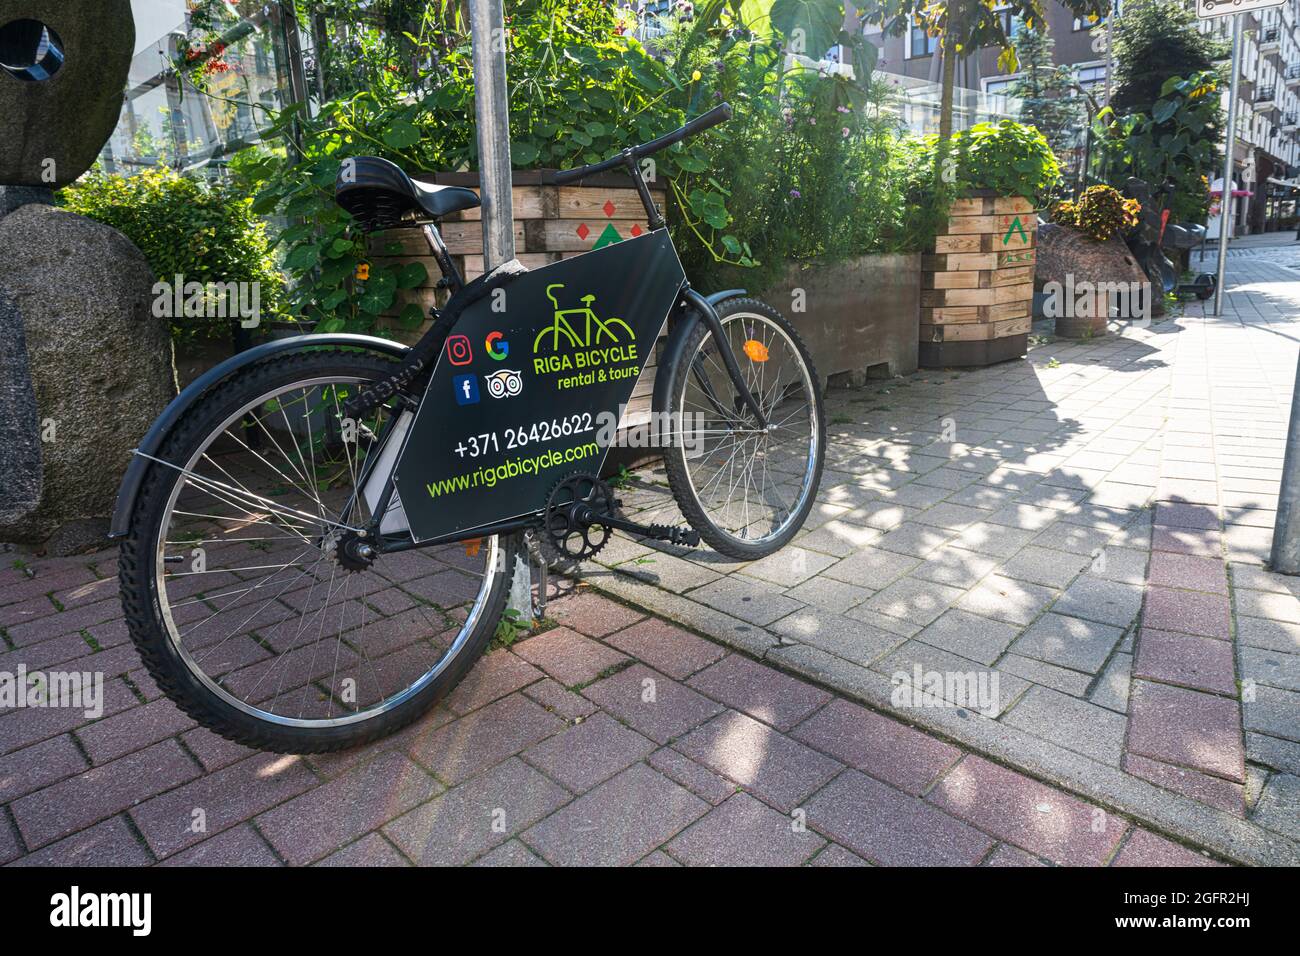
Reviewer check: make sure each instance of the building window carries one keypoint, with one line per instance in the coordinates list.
(919, 43)
(1090, 76)
(998, 85)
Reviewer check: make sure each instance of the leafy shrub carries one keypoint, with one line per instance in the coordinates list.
(203, 232)
(1100, 213)
(1008, 158)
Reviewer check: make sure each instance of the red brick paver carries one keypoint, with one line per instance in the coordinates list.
(613, 739)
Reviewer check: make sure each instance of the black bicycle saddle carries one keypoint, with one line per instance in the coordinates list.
(380, 195)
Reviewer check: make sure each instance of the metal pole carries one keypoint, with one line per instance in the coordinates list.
(492, 117)
(1229, 147)
(1285, 558)
(492, 112)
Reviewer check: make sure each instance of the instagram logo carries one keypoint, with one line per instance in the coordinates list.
(458, 350)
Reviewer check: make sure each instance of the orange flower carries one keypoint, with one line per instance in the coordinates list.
(363, 272)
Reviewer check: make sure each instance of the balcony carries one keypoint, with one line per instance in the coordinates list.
(1265, 98)
(1293, 75)
(1270, 40)
(1289, 124)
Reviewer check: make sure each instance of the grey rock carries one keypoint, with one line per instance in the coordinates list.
(52, 130)
(100, 362)
(20, 453)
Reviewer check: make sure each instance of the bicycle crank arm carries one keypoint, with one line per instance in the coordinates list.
(658, 532)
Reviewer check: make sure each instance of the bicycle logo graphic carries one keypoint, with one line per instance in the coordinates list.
(562, 326)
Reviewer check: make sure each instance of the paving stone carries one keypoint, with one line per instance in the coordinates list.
(1044, 566)
(1073, 538)
(884, 515)
(1283, 755)
(892, 828)
(1029, 814)
(1112, 687)
(849, 638)
(560, 700)
(1188, 571)
(1069, 642)
(1194, 516)
(954, 567)
(1071, 723)
(995, 540)
(1273, 711)
(840, 538)
(510, 853)
(592, 614)
(652, 704)
(768, 764)
(789, 566)
(1063, 679)
(870, 742)
(77, 802)
(836, 855)
(969, 635)
(36, 767)
(477, 815)
(132, 730)
(1270, 635)
(588, 753)
(1006, 599)
(1202, 663)
(666, 648)
(825, 594)
(487, 736)
(951, 517)
(570, 658)
(914, 600)
(1204, 543)
(1269, 605)
(669, 572)
(1213, 791)
(226, 797)
(700, 781)
(872, 568)
(597, 829)
(1188, 728)
(754, 602)
(1276, 809)
(969, 680)
(762, 692)
(914, 539)
(744, 832)
(1108, 602)
(323, 819)
(1144, 848)
(1007, 855)
(493, 676)
(372, 850)
(238, 846)
(108, 844)
(1115, 563)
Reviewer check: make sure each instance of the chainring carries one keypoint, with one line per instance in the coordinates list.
(563, 536)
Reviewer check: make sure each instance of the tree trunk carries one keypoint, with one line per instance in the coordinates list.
(947, 80)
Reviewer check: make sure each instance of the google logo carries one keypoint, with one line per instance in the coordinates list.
(491, 342)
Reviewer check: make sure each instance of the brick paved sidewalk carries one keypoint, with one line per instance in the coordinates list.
(1042, 521)
(612, 738)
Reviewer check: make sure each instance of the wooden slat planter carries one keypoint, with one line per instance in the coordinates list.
(977, 285)
(551, 223)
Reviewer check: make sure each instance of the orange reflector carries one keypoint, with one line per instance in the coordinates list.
(471, 547)
(756, 350)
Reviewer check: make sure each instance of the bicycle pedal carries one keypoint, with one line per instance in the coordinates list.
(658, 532)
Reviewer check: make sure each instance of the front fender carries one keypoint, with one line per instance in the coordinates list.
(677, 336)
(135, 472)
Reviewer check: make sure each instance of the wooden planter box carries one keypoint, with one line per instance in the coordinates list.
(977, 286)
(551, 223)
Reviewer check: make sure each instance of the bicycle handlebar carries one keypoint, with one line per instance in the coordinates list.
(719, 114)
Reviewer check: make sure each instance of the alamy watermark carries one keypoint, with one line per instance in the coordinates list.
(209, 300)
(974, 690)
(79, 690)
(1111, 300)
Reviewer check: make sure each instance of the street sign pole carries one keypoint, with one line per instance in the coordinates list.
(492, 118)
(1229, 147)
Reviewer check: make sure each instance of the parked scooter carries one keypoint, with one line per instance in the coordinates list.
(1153, 234)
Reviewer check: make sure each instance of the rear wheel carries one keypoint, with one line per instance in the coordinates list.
(747, 491)
(255, 599)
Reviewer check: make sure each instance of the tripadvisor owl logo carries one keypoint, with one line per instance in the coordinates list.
(578, 340)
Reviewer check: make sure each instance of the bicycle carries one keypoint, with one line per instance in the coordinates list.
(318, 535)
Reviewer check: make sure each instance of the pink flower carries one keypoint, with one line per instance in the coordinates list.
(844, 131)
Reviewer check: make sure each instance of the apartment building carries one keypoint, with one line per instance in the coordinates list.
(1267, 154)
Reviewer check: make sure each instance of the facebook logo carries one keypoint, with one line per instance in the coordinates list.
(466, 389)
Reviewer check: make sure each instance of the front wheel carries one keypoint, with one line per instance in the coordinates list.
(746, 490)
(256, 601)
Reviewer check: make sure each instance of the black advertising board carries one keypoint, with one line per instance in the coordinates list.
(530, 384)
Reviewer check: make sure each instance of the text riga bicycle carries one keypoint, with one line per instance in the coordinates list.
(317, 536)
